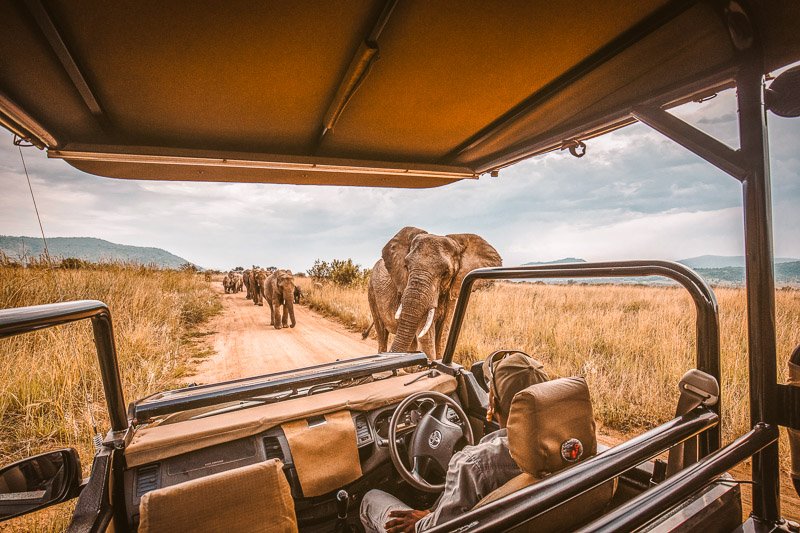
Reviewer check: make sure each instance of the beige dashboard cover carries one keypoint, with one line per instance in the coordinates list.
(254, 498)
(155, 443)
(325, 455)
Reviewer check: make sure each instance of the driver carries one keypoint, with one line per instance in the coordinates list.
(473, 472)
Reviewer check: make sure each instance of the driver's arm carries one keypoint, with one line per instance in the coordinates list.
(464, 487)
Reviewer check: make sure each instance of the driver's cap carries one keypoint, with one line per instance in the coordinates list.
(512, 373)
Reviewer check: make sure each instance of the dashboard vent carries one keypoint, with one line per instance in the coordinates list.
(146, 479)
(363, 435)
(273, 448)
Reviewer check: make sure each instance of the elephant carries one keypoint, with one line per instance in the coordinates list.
(414, 287)
(280, 292)
(297, 294)
(228, 283)
(237, 282)
(247, 279)
(258, 286)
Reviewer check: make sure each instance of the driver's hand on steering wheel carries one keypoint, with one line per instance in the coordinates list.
(404, 521)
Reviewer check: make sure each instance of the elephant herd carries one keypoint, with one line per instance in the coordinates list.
(278, 289)
(413, 288)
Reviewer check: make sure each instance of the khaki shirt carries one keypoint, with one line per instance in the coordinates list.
(472, 474)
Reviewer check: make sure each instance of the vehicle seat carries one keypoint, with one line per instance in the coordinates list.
(251, 498)
(542, 418)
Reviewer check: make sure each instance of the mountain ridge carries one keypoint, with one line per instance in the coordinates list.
(787, 270)
(89, 249)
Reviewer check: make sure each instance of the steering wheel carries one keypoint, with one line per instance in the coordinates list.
(434, 438)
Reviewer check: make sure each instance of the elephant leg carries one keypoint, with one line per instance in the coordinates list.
(285, 319)
(383, 336)
(276, 315)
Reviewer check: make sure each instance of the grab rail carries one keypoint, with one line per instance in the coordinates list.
(706, 308)
(529, 502)
(26, 319)
(651, 503)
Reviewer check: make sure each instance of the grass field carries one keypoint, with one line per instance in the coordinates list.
(632, 343)
(47, 376)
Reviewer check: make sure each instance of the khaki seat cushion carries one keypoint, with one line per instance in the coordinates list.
(543, 417)
(254, 498)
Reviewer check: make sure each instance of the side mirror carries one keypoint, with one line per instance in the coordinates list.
(38, 482)
(783, 95)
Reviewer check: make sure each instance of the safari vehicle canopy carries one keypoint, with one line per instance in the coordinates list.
(399, 94)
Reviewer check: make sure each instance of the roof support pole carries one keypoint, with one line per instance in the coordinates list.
(760, 281)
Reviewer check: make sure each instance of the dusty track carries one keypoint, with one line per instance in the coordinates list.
(246, 345)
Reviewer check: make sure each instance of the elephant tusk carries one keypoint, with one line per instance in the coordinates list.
(399, 310)
(428, 323)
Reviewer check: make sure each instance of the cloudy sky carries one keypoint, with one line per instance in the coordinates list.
(634, 195)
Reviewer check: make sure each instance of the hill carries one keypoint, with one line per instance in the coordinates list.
(723, 270)
(786, 273)
(725, 261)
(89, 249)
(556, 262)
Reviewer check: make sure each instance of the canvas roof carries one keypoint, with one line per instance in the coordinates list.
(403, 93)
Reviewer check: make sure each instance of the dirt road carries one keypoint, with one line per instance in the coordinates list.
(246, 345)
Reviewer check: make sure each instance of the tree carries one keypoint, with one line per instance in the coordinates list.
(339, 271)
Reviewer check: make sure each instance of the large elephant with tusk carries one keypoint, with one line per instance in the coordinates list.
(413, 288)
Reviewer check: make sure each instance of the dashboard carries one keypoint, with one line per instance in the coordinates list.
(372, 431)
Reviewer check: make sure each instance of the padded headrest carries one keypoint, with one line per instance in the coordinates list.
(546, 416)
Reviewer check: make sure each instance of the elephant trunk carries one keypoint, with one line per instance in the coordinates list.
(418, 302)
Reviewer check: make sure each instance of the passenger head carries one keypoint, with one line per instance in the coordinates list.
(508, 374)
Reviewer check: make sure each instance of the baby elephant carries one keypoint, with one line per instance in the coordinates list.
(297, 294)
(228, 284)
(279, 291)
(237, 282)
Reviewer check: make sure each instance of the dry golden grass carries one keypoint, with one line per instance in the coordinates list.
(632, 343)
(47, 375)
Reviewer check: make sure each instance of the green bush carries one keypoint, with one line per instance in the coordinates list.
(343, 272)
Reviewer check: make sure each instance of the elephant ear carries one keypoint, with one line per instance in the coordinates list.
(477, 253)
(394, 254)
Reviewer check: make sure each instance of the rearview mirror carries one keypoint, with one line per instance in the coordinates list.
(40, 481)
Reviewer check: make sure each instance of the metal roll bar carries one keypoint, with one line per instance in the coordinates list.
(652, 503)
(707, 310)
(183, 399)
(26, 319)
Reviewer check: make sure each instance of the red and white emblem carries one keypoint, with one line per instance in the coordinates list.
(571, 450)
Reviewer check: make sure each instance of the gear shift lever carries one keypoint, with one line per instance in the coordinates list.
(342, 500)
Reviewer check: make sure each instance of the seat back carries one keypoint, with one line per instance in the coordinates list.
(251, 498)
(551, 427)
